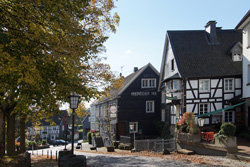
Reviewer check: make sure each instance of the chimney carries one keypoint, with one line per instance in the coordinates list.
(210, 28)
(135, 69)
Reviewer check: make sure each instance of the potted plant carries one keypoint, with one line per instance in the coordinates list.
(226, 137)
(188, 130)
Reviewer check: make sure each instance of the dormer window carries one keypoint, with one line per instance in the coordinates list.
(237, 57)
(236, 52)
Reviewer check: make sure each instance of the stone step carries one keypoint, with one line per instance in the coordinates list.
(185, 151)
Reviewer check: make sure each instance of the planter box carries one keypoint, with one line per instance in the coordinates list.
(193, 138)
(230, 144)
(111, 149)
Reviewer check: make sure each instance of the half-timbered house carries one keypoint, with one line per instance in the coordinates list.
(201, 72)
(136, 103)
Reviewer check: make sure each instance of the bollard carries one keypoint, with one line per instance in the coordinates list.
(47, 153)
(37, 152)
(56, 155)
(51, 154)
(42, 152)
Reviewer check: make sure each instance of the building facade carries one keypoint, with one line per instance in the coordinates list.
(244, 25)
(47, 130)
(201, 73)
(136, 103)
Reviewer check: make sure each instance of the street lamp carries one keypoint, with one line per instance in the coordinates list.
(132, 128)
(201, 124)
(74, 99)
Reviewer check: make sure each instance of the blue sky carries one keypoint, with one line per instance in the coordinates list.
(140, 36)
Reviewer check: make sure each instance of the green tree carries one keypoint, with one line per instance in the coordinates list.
(47, 50)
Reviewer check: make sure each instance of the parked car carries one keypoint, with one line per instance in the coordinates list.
(59, 142)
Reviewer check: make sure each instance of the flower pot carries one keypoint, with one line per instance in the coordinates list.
(111, 149)
(230, 144)
(193, 138)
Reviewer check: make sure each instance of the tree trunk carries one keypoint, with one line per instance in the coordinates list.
(22, 134)
(10, 134)
(2, 133)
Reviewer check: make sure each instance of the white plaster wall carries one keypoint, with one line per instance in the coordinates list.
(237, 83)
(189, 94)
(195, 93)
(218, 93)
(220, 84)
(214, 83)
(189, 107)
(246, 62)
(196, 109)
(168, 72)
(212, 92)
(237, 92)
(218, 106)
(194, 84)
(204, 95)
(212, 108)
(187, 85)
(228, 96)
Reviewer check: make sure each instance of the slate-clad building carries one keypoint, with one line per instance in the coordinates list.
(136, 102)
(201, 72)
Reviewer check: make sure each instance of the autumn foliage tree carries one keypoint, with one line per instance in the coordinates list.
(47, 50)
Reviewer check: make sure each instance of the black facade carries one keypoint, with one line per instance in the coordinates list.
(136, 103)
(132, 105)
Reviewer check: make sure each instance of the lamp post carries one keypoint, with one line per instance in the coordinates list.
(201, 124)
(132, 128)
(74, 99)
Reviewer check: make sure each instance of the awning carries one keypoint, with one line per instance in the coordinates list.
(220, 110)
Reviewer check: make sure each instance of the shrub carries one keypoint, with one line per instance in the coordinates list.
(44, 142)
(89, 137)
(228, 129)
(32, 143)
(121, 146)
(166, 134)
(194, 129)
(184, 129)
(158, 126)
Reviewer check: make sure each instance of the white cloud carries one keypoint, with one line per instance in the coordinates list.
(128, 52)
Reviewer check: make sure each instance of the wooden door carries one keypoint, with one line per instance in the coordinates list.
(121, 129)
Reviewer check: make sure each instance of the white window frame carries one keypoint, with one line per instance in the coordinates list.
(201, 85)
(237, 57)
(150, 106)
(203, 108)
(135, 125)
(248, 74)
(227, 86)
(172, 65)
(148, 83)
(163, 115)
(226, 119)
(176, 84)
